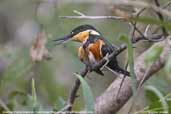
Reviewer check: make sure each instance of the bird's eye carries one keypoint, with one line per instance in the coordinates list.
(72, 32)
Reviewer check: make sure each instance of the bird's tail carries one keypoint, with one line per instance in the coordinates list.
(113, 65)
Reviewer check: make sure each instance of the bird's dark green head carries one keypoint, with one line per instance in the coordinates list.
(79, 34)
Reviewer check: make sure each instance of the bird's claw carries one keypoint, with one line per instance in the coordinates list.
(107, 61)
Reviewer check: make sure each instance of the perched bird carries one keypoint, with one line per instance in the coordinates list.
(94, 47)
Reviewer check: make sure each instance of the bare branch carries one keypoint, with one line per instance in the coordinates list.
(83, 16)
(146, 30)
(73, 93)
(93, 17)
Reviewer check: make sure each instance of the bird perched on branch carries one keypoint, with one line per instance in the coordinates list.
(94, 47)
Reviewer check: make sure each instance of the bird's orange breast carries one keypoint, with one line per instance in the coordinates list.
(91, 53)
(95, 49)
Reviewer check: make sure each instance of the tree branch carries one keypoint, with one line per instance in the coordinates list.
(73, 93)
(93, 17)
(107, 102)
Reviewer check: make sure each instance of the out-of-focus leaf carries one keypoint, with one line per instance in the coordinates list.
(154, 21)
(45, 13)
(17, 97)
(13, 94)
(168, 99)
(130, 60)
(33, 91)
(169, 104)
(153, 54)
(60, 104)
(62, 101)
(23, 97)
(160, 83)
(88, 97)
(35, 105)
(168, 66)
(20, 64)
(156, 98)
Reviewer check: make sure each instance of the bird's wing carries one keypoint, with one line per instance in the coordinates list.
(106, 49)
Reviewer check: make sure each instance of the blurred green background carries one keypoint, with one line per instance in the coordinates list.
(21, 20)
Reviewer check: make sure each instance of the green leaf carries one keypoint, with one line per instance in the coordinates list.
(19, 65)
(153, 54)
(62, 101)
(33, 91)
(88, 97)
(59, 104)
(154, 21)
(130, 60)
(168, 65)
(34, 98)
(156, 98)
(12, 98)
(169, 104)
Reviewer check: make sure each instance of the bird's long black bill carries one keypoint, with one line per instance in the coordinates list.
(63, 40)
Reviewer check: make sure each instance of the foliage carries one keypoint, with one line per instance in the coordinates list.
(130, 61)
(153, 54)
(53, 80)
(158, 102)
(88, 97)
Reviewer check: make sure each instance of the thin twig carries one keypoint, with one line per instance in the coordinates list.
(146, 30)
(73, 93)
(134, 24)
(144, 35)
(83, 16)
(124, 76)
(93, 17)
(161, 18)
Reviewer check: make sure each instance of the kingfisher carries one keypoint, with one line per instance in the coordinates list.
(94, 47)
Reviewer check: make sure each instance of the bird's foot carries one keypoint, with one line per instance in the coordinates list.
(107, 61)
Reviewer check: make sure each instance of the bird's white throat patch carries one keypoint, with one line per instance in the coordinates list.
(93, 32)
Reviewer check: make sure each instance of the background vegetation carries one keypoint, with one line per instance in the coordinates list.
(25, 85)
